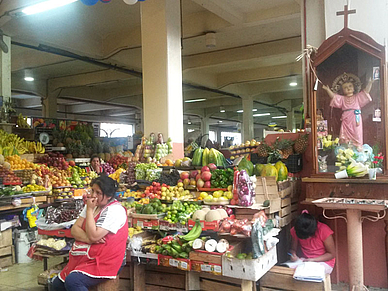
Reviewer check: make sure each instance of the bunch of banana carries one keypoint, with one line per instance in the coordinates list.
(194, 233)
(34, 147)
(22, 121)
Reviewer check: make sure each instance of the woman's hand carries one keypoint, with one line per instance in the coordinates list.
(91, 203)
(294, 257)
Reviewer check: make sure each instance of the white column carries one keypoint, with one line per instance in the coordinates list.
(162, 70)
(49, 103)
(5, 73)
(247, 104)
(291, 120)
(205, 124)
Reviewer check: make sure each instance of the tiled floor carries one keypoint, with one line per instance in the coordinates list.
(24, 276)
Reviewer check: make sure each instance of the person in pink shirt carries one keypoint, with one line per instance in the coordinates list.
(312, 241)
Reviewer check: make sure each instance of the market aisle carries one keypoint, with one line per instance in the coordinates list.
(24, 276)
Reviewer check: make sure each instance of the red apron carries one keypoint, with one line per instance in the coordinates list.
(98, 260)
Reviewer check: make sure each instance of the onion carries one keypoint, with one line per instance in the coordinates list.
(211, 245)
(226, 226)
(229, 211)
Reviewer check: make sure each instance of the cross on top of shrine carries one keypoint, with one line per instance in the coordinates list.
(346, 13)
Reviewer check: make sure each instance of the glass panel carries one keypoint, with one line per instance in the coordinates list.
(349, 120)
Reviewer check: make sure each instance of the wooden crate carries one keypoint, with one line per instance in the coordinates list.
(280, 278)
(209, 282)
(164, 278)
(6, 238)
(6, 261)
(5, 251)
(283, 221)
(268, 189)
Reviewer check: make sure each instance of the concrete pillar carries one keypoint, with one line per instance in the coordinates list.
(291, 120)
(247, 104)
(205, 124)
(355, 252)
(219, 130)
(162, 70)
(5, 73)
(49, 103)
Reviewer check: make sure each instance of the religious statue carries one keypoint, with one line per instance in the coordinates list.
(351, 103)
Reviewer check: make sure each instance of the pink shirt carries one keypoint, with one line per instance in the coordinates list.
(313, 247)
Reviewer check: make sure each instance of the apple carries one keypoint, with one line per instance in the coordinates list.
(212, 167)
(205, 169)
(185, 175)
(207, 184)
(198, 177)
(193, 174)
(206, 176)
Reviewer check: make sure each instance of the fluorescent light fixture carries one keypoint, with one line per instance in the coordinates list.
(240, 111)
(279, 117)
(219, 121)
(261, 114)
(29, 79)
(195, 100)
(293, 82)
(222, 109)
(188, 121)
(45, 6)
(254, 109)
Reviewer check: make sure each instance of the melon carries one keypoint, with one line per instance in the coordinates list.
(213, 215)
(269, 170)
(7, 165)
(206, 209)
(199, 214)
(222, 213)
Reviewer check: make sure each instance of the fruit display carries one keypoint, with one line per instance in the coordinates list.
(147, 171)
(9, 191)
(128, 193)
(129, 176)
(301, 144)
(25, 175)
(194, 233)
(119, 161)
(154, 207)
(63, 193)
(246, 165)
(221, 178)
(18, 163)
(33, 188)
(269, 170)
(211, 245)
(65, 212)
(56, 160)
(281, 170)
(9, 177)
(175, 193)
(180, 212)
(108, 169)
(236, 226)
(22, 121)
(217, 197)
(75, 180)
(152, 149)
(204, 157)
(116, 174)
(243, 149)
(81, 172)
(11, 144)
(211, 214)
(134, 230)
(170, 179)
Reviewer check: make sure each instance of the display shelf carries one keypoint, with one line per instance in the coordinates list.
(351, 203)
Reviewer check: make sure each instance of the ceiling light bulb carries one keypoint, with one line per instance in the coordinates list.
(210, 39)
(293, 84)
(188, 121)
(261, 114)
(222, 109)
(254, 109)
(29, 79)
(279, 117)
(240, 111)
(219, 121)
(195, 100)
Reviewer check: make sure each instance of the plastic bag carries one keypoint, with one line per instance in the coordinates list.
(245, 189)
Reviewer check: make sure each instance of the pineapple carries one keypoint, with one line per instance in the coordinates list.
(263, 149)
(301, 143)
(285, 147)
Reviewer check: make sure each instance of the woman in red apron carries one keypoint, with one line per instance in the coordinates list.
(100, 234)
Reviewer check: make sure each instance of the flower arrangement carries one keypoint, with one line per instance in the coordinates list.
(377, 161)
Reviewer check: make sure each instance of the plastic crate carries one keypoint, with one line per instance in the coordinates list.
(294, 163)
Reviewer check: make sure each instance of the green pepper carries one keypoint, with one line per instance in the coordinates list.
(216, 184)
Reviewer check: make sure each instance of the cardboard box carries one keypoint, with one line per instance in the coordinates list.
(206, 225)
(198, 266)
(168, 261)
(251, 270)
(6, 238)
(165, 225)
(145, 223)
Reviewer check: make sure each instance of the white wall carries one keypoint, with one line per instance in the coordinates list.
(370, 18)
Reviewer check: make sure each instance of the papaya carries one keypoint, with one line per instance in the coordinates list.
(282, 172)
(269, 170)
(258, 169)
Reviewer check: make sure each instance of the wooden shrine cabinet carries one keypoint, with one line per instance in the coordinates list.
(348, 55)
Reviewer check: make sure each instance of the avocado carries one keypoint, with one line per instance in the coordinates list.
(266, 203)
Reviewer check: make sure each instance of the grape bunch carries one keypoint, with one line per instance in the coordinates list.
(130, 177)
(64, 213)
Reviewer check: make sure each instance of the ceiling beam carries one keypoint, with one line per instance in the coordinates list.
(82, 108)
(226, 12)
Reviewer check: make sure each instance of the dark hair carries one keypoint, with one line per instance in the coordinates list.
(95, 156)
(107, 185)
(305, 226)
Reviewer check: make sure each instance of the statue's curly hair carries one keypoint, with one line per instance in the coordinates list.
(346, 78)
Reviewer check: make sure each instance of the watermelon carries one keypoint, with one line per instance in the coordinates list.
(258, 169)
(269, 170)
(246, 165)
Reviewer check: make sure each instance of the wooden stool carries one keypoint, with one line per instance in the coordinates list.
(280, 278)
(109, 285)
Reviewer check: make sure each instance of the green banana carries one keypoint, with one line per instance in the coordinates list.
(194, 233)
